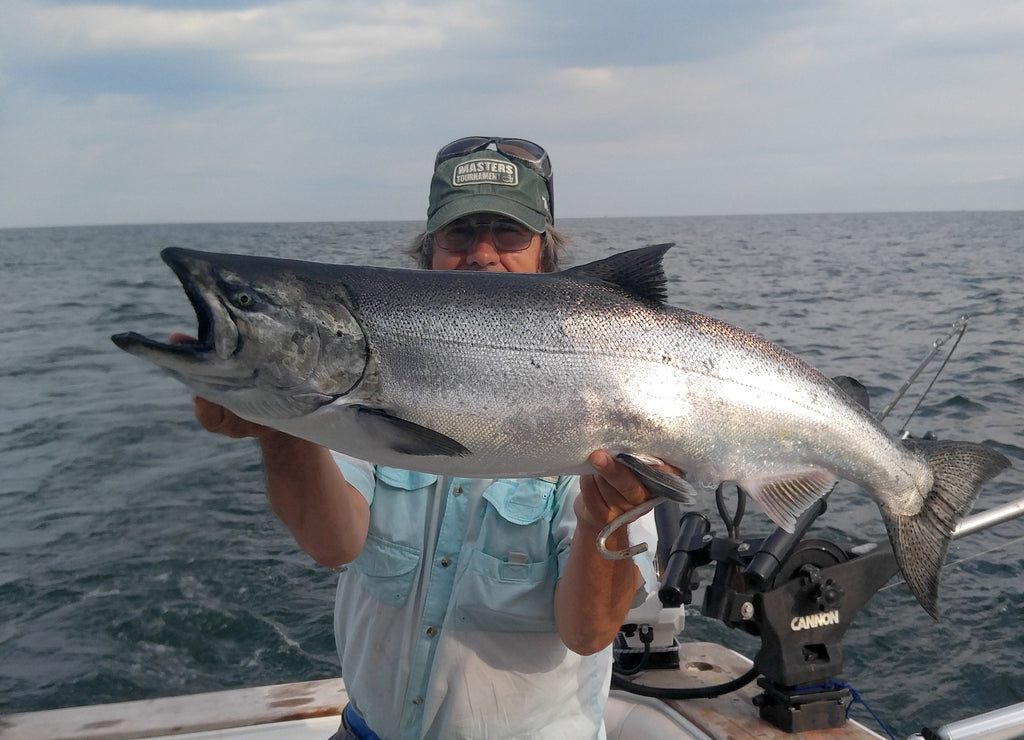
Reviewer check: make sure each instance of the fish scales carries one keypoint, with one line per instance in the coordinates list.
(513, 375)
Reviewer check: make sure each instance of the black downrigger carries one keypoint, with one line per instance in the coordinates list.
(798, 594)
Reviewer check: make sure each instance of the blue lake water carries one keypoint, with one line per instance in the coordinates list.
(138, 557)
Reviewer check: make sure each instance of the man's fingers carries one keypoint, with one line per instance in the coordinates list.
(210, 415)
(218, 419)
(616, 483)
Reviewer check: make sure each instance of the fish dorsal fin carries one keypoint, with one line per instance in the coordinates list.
(785, 498)
(638, 272)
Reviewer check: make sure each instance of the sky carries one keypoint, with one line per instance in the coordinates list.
(331, 110)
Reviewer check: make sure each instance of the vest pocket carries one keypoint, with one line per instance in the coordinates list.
(386, 569)
(504, 595)
(523, 501)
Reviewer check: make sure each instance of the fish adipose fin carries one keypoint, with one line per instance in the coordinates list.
(658, 482)
(638, 272)
(920, 541)
(784, 499)
(407, 437)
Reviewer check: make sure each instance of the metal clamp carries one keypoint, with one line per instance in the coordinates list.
(620, 521)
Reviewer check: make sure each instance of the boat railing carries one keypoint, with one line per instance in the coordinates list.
(1006, 723)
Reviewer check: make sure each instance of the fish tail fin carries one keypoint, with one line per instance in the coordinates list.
(920, 541)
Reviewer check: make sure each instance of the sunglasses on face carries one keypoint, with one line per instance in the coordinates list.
(462, 234)
(521, 150)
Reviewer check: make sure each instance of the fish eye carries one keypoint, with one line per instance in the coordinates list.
(244, 300)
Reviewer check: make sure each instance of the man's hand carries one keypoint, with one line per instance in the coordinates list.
(594, 595)
(328, 517)
(219, 420)
(216, 418)
(612, 490)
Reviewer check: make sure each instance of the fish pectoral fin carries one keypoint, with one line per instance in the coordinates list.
(658, 482)
(406, 437)
(785, 498)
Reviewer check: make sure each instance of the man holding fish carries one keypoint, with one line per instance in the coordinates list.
(464, 593)
(468, 607)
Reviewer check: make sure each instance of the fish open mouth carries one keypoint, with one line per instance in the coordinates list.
(216, 333)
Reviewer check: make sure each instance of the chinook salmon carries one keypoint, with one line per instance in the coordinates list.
(500, 375)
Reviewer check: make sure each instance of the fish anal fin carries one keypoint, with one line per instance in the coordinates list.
(658, 482)
(785, 498)
(407, 437)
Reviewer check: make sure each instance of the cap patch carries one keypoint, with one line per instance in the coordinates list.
(489, 171)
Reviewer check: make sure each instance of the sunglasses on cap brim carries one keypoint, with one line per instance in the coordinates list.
(521, 150)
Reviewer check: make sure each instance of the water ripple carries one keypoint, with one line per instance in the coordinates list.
(138, 556)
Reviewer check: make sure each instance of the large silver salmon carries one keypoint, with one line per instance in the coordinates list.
(501, 375)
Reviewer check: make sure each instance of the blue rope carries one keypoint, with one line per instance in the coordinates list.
(856, 698)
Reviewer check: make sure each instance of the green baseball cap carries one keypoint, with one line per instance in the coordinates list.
(487, 182)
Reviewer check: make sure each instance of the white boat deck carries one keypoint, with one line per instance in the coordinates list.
(729, 717)
(293, 711)
(311, 711)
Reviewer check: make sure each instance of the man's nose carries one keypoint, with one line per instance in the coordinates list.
(483, 250)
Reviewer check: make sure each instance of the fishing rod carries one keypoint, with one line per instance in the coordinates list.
(984, 519)
(959, 327)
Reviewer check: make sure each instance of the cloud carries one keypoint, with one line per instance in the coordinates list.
(324, 110)
(277, 46)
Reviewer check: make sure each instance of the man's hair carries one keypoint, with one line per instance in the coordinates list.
(552, 242)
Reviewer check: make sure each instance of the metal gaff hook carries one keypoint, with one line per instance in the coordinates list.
(620, 521)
